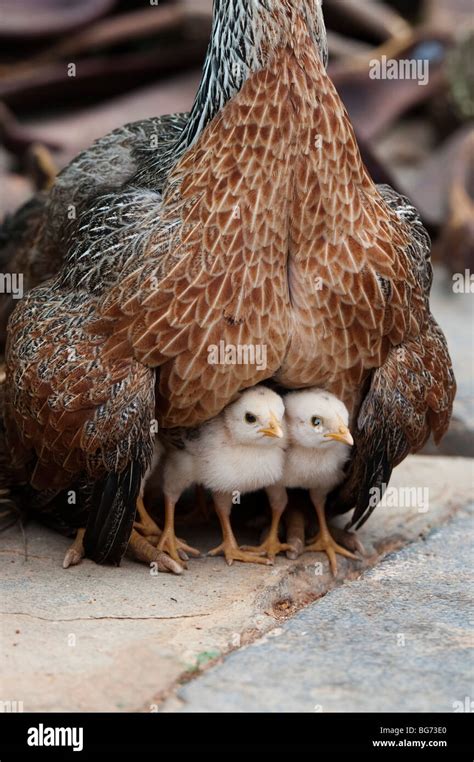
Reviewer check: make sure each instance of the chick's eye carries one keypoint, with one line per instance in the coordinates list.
(315, 421)
(250, 418)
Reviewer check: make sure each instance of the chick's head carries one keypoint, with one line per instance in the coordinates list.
(256, 417)
(316, 418)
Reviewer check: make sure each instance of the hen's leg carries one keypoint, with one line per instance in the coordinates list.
(141, 550)
(229, 546)
(323, 540)
(146, 526)
(271, 546)
(295, 530)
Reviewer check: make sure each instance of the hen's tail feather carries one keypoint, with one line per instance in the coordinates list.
(410, 396)
(112, 513)
(372, 490)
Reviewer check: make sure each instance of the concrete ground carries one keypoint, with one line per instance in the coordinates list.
(95, 638)
(399, 639)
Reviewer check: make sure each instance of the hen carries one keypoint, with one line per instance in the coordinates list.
(263, 231)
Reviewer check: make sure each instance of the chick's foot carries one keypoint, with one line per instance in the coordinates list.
(270, 547)
(176, 548)
(232, 552)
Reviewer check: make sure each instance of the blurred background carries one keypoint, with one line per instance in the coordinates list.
(73, 70)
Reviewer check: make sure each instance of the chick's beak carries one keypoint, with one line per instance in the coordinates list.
(341, 435)
(273, 429)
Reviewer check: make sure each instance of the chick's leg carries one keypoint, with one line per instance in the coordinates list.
(229, 546)
(323, 540)
(177, 549)
(75, 552)
(153, 534)
(270, 547)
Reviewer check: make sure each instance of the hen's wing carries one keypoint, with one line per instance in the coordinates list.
(408, 398)
(33, 240)
(109, 163)
(74, 417)
(71, 415)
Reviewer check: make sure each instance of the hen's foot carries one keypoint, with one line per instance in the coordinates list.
(348, 540)
(327, 544)
(75, 552)
(144, 551)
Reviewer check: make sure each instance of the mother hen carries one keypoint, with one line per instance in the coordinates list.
(262, 229)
